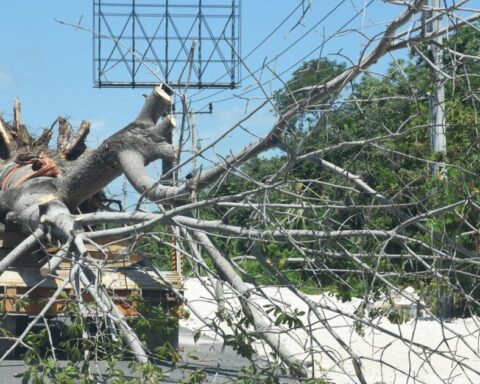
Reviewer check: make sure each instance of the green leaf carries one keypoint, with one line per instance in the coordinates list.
(196, 335)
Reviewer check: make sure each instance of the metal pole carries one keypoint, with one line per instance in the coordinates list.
(133, 44)
(167, 15)
(200, 66)
(437, 103)
(124, 190)
(99, 44)
(94, 51)
(194, 142)
(195, 151)
(232, 70)
(438, 137)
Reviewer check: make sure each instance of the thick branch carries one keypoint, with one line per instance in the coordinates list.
(261, 323)
(18, 131)
(319, 92)
(133, 164)
(64, 133)
(212, 175)
(277, 234)
(44, 139)
(77, 146)
(156, 104)
(6, 142)
(357, 363)
(141, 139)
(102, 299)
(334, 86)
(25, 246)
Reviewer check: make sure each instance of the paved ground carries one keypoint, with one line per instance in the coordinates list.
(221, 366)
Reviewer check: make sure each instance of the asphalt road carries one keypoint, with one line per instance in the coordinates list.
(222, 365)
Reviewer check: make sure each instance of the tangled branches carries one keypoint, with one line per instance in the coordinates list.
(339, 259)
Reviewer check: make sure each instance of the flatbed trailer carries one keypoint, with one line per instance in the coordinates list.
(24, 291)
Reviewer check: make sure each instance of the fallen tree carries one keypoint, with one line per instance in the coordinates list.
(54, 195)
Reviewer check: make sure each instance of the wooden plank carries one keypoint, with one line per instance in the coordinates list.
(34, 302)
(123, 279)
(10, 240)
(126, 301)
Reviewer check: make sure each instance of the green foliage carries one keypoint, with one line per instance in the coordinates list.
(197, 377)
(315, 72)
(49, 371)
(167, 353)
(395, 165)
(241, 341)
(282, 317)
(396, 316)
(196, 335)
(158, 249)
(80, 351)
(154, 318)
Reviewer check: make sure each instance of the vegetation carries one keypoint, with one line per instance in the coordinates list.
(378, 131)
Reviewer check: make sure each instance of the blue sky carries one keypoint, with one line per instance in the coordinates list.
(49, 65)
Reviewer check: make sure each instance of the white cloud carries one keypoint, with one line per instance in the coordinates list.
(6, 80)
(98, 124)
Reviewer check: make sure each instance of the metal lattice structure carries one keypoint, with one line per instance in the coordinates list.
(139, 44)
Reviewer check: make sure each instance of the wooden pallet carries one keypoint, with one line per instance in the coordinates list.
(119, 275)
(113, 250)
